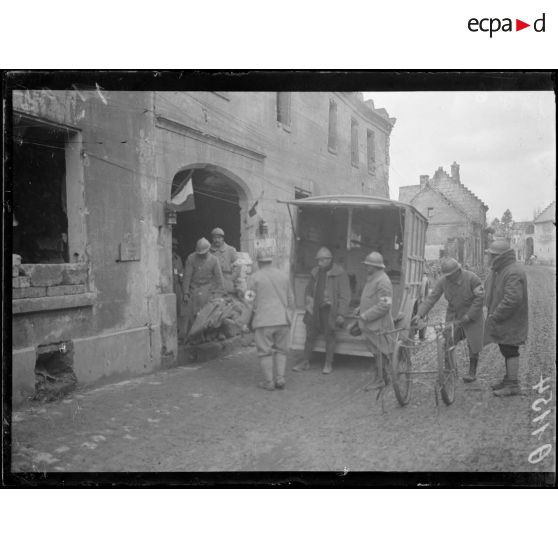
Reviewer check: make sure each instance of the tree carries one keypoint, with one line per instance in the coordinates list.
(506, 224)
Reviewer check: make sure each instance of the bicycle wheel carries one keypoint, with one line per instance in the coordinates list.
(447, 372)
(401, 374)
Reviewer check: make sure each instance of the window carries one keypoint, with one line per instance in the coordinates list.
(284, 107)
(332, 130)
(429, 212)
(39, 191)
(371, 150)
(354, 142)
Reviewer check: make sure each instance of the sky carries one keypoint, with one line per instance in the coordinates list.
(504, 142)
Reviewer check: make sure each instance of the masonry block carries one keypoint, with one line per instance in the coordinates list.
(29, 292)
(74, 274)
(44, 275)
(62, 290)
(21, 282)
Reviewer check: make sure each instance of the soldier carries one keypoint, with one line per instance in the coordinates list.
(507, 304)
(226, 255)
(375, 315)
(327, 297)
(202, 279)
(273, 299)
(464, 292)
(177, 284)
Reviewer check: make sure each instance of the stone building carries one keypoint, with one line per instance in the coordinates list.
(545, 235)
(456, 216)
(93, 171)
(522, 239)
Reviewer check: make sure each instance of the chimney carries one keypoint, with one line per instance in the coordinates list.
(455, 172)
(423, 180)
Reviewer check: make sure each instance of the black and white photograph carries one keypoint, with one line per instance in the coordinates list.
(301, 273)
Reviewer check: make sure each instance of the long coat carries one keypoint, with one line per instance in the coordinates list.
(226, 255)
(337, 291)
(202, 280)
(465, 297)
(273, 297)
(375, 313)
(507, 322)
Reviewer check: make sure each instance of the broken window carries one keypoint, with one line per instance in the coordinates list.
(371, 149)
(40, 222)
(284, 107)
(332, 130)
(354, 142)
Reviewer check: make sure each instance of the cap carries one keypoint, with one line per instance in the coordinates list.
(374, 259)
(217, 232)
(202, 246)
(449, 266)
(323, 252)
(498, 247)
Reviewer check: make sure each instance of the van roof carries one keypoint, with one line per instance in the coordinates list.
(350, 200)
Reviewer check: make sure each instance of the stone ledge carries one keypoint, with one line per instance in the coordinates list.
(48, 303)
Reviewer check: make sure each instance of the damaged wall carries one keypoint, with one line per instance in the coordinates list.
(110, 205)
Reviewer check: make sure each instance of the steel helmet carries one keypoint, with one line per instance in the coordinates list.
(264, 254)
(202, 246)
(374, 259)
(323, 252)
(218, 232)
(449, 266)
(498, 247)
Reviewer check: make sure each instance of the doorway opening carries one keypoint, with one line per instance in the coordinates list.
(218, 199)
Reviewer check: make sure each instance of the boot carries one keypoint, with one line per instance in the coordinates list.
(280, 362)
(330, 351)
(512, 385)
(302, 365)
(266, 367)
(504, 381)
(378, 380)
(473, 363)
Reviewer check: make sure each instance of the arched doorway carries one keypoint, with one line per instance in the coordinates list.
(219, 200)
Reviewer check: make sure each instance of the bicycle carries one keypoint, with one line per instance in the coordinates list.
(444, 355)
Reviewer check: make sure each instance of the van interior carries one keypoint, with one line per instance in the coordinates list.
(350, 233)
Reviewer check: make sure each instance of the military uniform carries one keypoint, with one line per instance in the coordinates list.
(465, 296)
(226, 255)
(507, 322)
(375, 313)
(273, 300)
(202, 280)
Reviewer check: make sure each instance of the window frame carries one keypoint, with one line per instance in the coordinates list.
(286, 125)
(355, 158)
(332, 136)
(371, 151)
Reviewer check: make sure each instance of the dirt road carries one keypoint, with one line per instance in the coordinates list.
(212, 417)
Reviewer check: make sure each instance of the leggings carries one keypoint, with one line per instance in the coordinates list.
(509, 351)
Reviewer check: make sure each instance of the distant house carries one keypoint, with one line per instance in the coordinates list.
(522, 239)
(456, 216)
(545, 235)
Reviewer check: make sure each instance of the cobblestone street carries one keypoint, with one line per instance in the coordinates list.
(212, 417)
